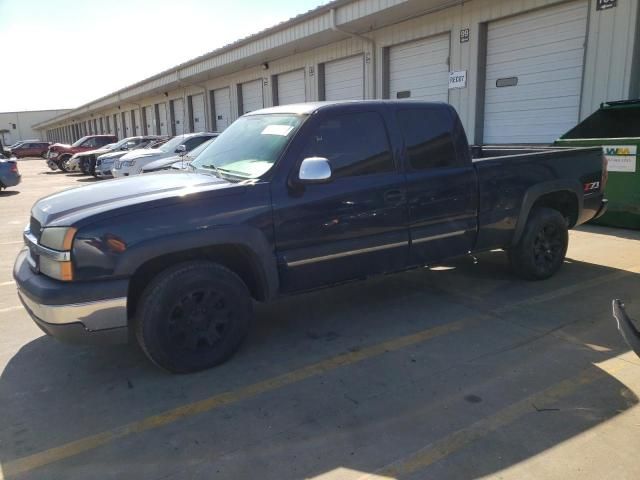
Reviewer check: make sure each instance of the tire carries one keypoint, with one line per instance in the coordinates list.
(62, 164)
(173, 323)
(543, 246)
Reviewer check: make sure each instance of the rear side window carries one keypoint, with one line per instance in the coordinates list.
(354, 143)
(427, 136)
(100, 142)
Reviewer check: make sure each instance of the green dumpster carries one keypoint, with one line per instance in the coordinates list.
(616, 127)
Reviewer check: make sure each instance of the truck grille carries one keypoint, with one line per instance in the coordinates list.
(35, 228)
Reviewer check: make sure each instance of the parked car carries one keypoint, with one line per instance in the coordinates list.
(9, 174)
(105, 162)
(86, 161)
(20, 142)
(59, 153)
(30, 149)
(289, 199)
(133, 162)
(166, 163)
(77, 162)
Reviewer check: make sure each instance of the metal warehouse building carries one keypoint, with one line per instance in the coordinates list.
(16, 126)
(516, 70)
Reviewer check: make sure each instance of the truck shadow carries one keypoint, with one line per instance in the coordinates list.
(376, 410)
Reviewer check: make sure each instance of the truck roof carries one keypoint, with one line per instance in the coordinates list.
(311, 107)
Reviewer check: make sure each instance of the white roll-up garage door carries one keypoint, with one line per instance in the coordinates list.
(534, 74)
(162, 116)
(178, 116)
(344, 79)
(149, 120)
(221, 108)
(125, 120)
(138, 124)
(291, 87)
(420, 70)
(197, 109)
(252, 98)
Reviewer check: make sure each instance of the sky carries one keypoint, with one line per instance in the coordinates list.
(64, 53)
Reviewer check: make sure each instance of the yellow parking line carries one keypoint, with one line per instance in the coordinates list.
(31, 462)
(4, 284)
(459, 439)
(569, 289)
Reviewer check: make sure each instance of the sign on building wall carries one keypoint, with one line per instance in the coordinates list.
(458, 79)
(605, 4)
(620, 158)
(464, 35)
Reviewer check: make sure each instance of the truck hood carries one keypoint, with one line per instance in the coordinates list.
(59, 146)
(113, 155)
(107, 198)
(96, 152)
(147, 153)
(163, 162)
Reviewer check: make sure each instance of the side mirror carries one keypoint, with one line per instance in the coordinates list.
(181, 149)
(315, 170)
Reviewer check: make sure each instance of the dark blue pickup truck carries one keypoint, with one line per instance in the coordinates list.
(286, 200)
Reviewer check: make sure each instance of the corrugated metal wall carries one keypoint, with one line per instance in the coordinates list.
(608, 72)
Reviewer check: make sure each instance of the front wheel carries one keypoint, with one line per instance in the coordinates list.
(543, 246)
(62, 164)
(193, 316)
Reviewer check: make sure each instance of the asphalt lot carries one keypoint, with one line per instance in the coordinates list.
(457, 372)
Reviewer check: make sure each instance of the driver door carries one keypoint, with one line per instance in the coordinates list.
(353, 225)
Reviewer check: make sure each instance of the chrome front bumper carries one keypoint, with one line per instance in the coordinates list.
(98, 315)
(75, 312)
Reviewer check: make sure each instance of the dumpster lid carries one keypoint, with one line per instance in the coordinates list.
(616, 119)
(621, 103)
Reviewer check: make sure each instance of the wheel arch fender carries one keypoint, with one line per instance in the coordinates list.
(250, 239)
(536, 192)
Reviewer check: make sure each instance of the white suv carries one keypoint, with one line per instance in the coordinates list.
(132, 163)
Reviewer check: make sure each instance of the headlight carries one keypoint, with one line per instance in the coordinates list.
(56, 269)
(128, 163)
(53, 154)
(58, 238)
(57, 264)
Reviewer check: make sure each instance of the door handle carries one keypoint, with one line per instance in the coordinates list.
(394, 197)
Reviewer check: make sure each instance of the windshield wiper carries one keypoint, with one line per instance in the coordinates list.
(212, 167)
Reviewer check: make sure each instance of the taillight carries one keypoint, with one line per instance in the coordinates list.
(14, 168)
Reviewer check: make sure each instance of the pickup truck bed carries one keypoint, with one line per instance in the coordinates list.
(289, 199)
(505, 190)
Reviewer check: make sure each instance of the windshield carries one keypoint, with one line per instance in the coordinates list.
(121, 143)
(198, 150)
(250, 146)
(171, 145)
(79, 142)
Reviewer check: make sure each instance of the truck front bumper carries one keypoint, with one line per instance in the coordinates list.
(83, 312)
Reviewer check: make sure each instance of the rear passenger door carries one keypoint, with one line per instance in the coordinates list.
(352, 226)
(441, 186)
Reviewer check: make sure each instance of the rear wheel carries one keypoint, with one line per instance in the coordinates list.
(193, 316)
(543, 246)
